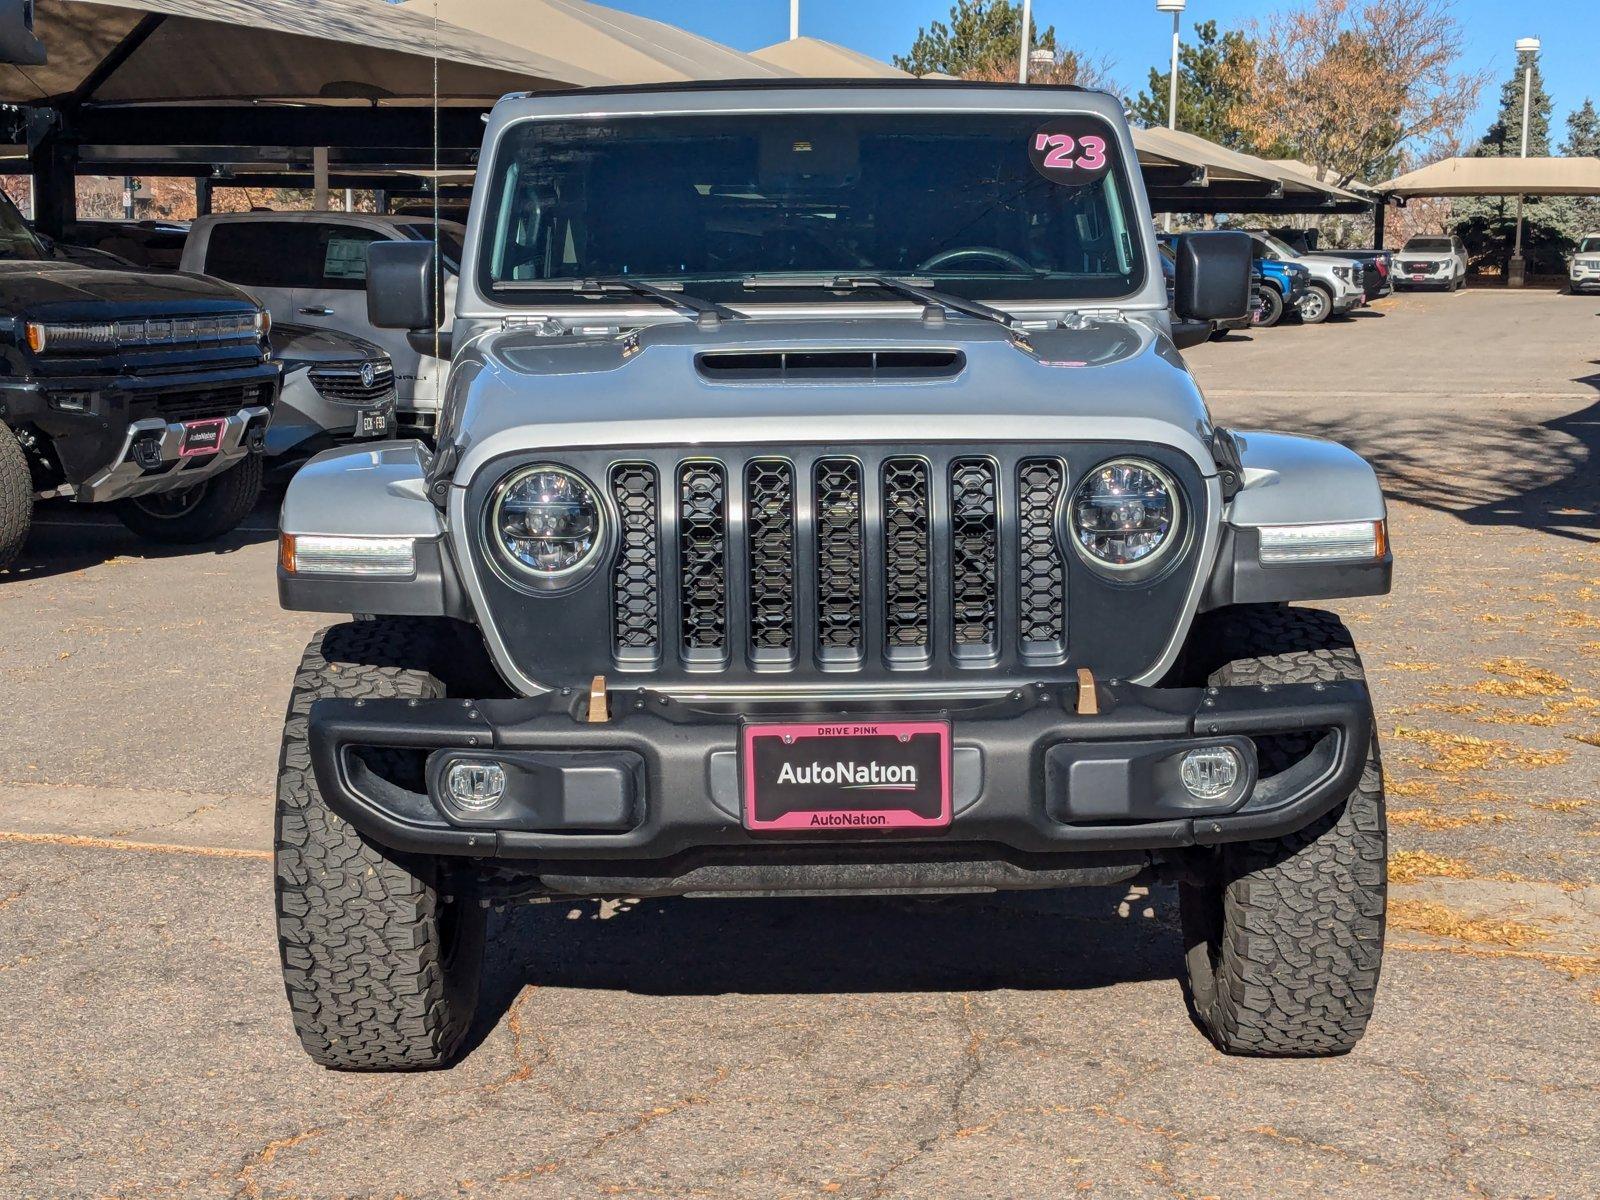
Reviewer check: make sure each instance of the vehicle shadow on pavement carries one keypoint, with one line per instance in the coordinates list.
(1072, 939)
(65, 539)
(1543, 477)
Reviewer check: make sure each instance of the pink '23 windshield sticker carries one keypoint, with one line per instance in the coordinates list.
(1072, 151)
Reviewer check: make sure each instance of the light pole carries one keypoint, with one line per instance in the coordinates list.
(1175, 7)
(1026, 40)
(1527, 51)
(794, 19)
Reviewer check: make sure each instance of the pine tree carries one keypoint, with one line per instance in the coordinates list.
(1583, 141)
(984, 37)
(1210, 71)
(1488, 223)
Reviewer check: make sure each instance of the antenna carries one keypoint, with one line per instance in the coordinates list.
(438, 265)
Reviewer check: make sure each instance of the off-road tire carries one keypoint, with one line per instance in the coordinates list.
(227, 500)
(1320, 312)
(16, 498)
(1283, 945)
(1271, 308)
(380, 967)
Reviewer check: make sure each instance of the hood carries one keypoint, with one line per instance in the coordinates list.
(901, 380)
(64, 291)
(301, 345)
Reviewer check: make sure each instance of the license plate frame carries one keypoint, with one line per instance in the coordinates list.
(846, 776)
(209, 431)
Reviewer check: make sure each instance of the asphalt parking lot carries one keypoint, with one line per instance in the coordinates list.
(1007, 1047)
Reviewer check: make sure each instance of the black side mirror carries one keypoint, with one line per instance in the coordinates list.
(402, 288)
(1213, 281)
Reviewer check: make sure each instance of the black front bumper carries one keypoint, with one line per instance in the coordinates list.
(660, 779)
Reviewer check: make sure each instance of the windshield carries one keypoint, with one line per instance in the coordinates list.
(990, 206)
(1429, 246)
(16, 239)
(1589, 246)
(1278, 246)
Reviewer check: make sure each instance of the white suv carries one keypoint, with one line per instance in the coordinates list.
(1584, 274)
(1438, 262)
(310, 268)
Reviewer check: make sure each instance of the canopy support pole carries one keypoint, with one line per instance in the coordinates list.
(1380, 211)
(54, 162)
(319, 172)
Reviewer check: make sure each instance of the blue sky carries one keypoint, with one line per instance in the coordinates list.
(1133, 36)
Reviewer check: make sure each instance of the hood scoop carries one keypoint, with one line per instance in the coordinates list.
(813, 366)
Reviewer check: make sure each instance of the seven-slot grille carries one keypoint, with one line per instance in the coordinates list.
(346, 383)
(840, 562)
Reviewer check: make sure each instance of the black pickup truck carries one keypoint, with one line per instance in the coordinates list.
(150, 391)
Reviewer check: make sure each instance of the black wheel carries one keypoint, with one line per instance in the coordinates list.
(1285, 940)
(1316, 306)
(16, 497)
(380, 965)
(1271, 311)
(199, 513)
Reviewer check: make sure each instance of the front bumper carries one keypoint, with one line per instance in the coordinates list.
(1586, 282)
(151, 458)
(1033, 780)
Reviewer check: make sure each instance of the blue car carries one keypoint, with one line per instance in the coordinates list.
(1282, 286)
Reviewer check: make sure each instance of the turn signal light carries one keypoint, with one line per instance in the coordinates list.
(319, 554)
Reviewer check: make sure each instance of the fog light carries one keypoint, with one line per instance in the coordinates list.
(475, 786)
(1211, 773)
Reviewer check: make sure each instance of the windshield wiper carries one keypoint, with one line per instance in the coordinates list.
(930, 297)
(603, 284)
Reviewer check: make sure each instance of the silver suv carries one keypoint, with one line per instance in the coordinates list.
(822, 506)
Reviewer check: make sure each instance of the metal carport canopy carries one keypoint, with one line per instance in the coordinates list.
(1500, 177)
(233, 51)
(1187, 173)
(627, 48)
(818, 59)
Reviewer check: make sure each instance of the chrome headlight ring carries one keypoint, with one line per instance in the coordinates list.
(1125, 516)
(546, 527)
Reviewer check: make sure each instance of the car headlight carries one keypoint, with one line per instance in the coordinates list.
(1125, 514)
(546, 523)
(1343, 273)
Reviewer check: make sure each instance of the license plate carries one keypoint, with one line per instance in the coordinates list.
(847, 777)
(372, 422)
(202, 437)
(1418, 278)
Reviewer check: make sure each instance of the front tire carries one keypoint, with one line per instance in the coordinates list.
(199, 513)
(16, 498)
(1271, 309)
(1284, 939)
(380, 965)
(1316, 306)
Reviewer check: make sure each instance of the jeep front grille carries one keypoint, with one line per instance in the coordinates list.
(884, 561)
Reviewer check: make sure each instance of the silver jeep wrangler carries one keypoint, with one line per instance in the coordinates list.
(821, 506)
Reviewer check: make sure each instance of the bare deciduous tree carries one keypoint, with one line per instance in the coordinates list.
(1350, 84)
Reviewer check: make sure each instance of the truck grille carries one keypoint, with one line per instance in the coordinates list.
(875, 560)
(345, 384)
(829, 569)
(199, 403)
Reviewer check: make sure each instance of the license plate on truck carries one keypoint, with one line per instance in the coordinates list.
(202, 437)
(846, 777)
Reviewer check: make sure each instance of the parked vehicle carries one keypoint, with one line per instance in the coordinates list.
(1432, 262)
(149, 391)
(1335, 288)
(337, 388)
(311, 268)
(1377, 265)
(766, 554)
(1283, 287)
(1584, 272)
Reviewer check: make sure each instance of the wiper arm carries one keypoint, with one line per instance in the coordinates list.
(601, 285)
(930, 297)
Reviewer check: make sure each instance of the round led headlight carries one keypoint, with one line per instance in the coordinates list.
(1124, 514)
(546, 523)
